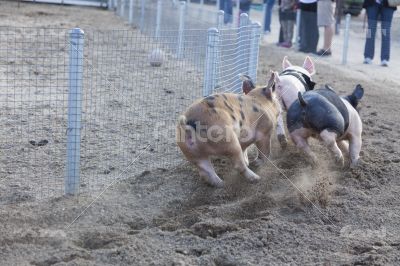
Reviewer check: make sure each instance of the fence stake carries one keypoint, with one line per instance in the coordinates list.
(142, 3)
(211, 65)
(297, 36)
(242, 50)
(181, 28)
(158, 18)
(346, 39)
(117, 7)
(254, 50)
(220, 18)
(130, 19)
(238, 13)
(122, 9)
(72, 179)
(110, 4)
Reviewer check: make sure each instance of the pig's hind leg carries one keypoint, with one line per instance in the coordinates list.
(329, 139)
(207, 172)
(264, 150)
(236, 154)
(344, 147)
(302, 144)
(355, 148)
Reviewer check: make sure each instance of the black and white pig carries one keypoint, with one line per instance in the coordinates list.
(333, 119)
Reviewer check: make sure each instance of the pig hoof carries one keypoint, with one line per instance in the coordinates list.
(353, 165)
(252, 177)
(340, 161)
(283, 141)
(218, 184)
(256, 163)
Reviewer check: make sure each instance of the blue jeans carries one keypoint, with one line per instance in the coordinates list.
(226, 5)
(268, 15)
(386, 15)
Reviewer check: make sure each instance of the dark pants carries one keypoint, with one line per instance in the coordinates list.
(226, 6)
(268, 15)
(385, 14)
(309, 33)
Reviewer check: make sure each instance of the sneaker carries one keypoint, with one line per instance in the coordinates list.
(385, 63)
(367, 61)
(286, 44)
(323, 52)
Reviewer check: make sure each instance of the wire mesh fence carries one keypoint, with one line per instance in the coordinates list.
(81, 109)
(33, 95)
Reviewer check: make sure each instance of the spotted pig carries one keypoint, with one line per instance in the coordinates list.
(225, 125)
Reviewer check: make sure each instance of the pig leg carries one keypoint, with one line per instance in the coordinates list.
(302, 144)
(246, 157)
(239, 163)
(280, 132)
(355, 148)
(329, 138)
(264, 150)
(208, 173)
(343, 146)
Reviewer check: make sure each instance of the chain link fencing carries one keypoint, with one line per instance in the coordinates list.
(81, 109)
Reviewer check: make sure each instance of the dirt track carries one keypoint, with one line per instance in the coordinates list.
(169, 217)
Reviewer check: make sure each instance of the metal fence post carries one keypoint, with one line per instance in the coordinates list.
(110, 4)
(117, 6)
(220, 18)
(142, 10)
(72, 179)
(122, 9)
(130, 18)
(242, 50)
(297, 33)
(211, 64)
(158, 18)
(237, 13)
(346, 39)
(254, 50)
(181, 28)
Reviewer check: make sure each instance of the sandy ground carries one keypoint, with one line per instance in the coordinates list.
(169, 217)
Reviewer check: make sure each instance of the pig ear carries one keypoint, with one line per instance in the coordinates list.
(271, 85)
(247, 84)
(273, 79)
(309, 65)
(277, 79)
(286, 63)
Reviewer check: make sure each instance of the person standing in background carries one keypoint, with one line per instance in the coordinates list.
(244, 7)
(378, 9)
(309, 34)
(226, 6)
(267, 16)
(287, 18)
(326, 20)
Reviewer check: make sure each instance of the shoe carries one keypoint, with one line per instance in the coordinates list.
(367, 61)
(304, 51)
(385, 63)
(286, 44)
(323, 52)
